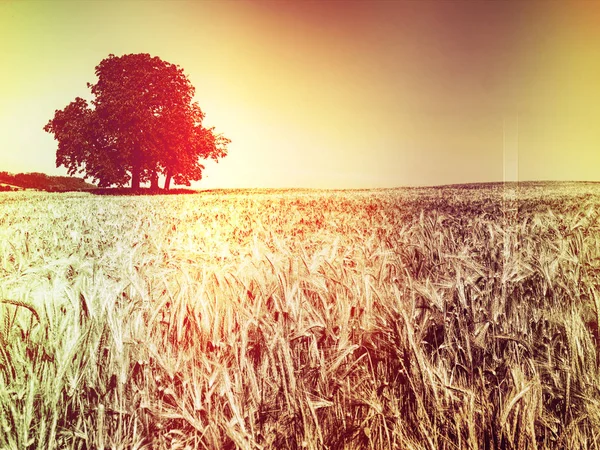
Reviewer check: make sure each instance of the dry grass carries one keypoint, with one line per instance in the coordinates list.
(415, 319)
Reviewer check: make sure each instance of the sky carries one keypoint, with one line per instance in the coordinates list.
(331, 94)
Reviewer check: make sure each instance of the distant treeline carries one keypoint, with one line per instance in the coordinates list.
(42, 182)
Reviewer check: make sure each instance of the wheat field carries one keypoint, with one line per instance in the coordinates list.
(460, 317)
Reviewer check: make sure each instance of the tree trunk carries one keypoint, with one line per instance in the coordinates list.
(135, 167)
(154, 181)
(168, 180)
(135, 177)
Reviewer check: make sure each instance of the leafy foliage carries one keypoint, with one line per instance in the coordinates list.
(141, 123)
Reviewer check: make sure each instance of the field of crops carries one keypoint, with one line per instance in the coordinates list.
(433, 318)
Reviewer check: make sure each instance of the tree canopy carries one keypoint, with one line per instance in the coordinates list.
(142, 122)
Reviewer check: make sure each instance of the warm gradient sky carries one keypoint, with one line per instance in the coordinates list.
(332, 93)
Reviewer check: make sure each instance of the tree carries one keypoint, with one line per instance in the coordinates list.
(142, 123)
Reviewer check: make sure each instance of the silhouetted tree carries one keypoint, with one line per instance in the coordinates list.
(142, 122)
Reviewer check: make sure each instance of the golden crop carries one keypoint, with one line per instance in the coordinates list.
(432, 318)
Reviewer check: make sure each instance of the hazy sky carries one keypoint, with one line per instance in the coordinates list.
(332, 93)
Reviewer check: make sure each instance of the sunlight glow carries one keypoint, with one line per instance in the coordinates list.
(330, 94)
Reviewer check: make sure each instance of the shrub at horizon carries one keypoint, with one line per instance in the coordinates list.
(142, 122)
(43, 182)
